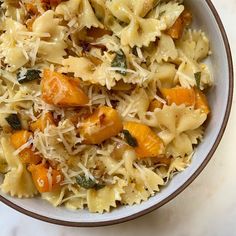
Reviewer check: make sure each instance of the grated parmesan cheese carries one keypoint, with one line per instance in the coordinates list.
(49, 177)
(86, 171)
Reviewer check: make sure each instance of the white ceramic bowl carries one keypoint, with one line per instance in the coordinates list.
(220, 97)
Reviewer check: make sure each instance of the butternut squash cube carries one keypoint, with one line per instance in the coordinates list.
(27, 156)
(61, 90)
(179, 95)
(177, 29)
(42, 122)
(45, 179)
(103, 124)
(148, 143)
(20, 137)
(201, 101)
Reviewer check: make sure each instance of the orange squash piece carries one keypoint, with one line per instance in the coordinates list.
(103, 124)
(42, 122)
(176, 30)
(148, 143)
(31, 8)
(45, 179)
(201, 101)
(61, 90)
(20, 137)
(155, 104)
(179, 95)
(27, 156)
(190, 97)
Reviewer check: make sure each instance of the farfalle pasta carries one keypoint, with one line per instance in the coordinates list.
(101, 102)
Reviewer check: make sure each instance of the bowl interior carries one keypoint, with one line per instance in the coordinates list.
(218, 99)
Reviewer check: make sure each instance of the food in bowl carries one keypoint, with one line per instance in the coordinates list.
(102, 102)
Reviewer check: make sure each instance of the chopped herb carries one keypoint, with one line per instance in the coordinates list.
(120, 61)
(14, 121)
(30, 75)
(99, 186)
(197, 76)
(134, 51)
(132, 141)
(88, 183)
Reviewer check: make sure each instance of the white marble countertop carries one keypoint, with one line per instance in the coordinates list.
(214, 191)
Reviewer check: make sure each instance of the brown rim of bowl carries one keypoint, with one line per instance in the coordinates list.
(180, 189)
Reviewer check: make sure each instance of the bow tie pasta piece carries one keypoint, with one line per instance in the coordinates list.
(105, 198)
(89, 19)
(143, 7)
(180, 127)
(123, 9)
(100, 8)
(12, 44)
(3, 163)
(178, 164)
(164, 74)
(183, 144)
(165, 50)
(180, 146)
(145, 182)
(52, 47)
(68, 9)
(169, 12)
(193, 48)
(18, 181)
(52, 51)
(69, 196)
(134, 194)
(54, 197)
(188, 70)
(135, 104)
(75, 203)
(85, 69)
(48, 24)
(105, 16)
(139, 31)
(194, 45)
(80, 10)
(103, 74)
(75, 198)
(12, 9)
(175, 119)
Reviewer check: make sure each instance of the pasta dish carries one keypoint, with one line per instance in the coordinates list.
(102, 102)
